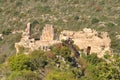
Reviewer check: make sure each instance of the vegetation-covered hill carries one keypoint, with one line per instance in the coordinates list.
(60, 64)
(102, 15)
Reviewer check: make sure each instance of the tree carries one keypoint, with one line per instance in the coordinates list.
(38, 59)
(19, 62)
(109, 71)
(106, 71)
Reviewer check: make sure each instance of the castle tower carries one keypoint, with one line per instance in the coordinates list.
(47, 33)
(28, 29)
(26, 34)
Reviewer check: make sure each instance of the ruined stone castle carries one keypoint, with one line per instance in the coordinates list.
(46, 39)
(89, 39)
(97, 42)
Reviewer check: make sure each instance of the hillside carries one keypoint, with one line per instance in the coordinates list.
(64, 61)
(64, 14)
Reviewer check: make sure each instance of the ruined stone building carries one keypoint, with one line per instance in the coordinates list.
(47, 33)
(90, 41)
(46, 39)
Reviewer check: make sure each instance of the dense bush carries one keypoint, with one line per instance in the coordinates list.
(19, 62)
(60, 75)
(24, 75)
(6, 32)
(94, 20)
(104, 70)
(93, 59)
(27, 67)
(38, 59)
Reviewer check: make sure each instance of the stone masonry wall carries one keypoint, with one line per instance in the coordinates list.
(97, 42)
(46, 39)
(47, 33)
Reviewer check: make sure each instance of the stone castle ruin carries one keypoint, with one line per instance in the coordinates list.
(47, 33)
(90, 41)
(46, 39)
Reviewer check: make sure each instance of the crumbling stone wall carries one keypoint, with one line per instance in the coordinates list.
(88, 40)
(96, 42)
(46, 39)
(47, 33)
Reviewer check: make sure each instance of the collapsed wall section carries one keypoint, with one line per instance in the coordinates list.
(89, 40)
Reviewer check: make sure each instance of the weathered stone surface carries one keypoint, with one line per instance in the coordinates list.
(46, 40)
(87, 39)
(27, 32)
(47, 33)
(98, 42)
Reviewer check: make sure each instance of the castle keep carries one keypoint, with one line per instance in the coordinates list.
(88, 40)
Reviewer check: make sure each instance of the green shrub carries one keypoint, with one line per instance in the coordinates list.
(93, 59)
(2, 58)
(38, 59)
(110, 25)
(94, 20)
(76, 18)
(107, 56)
(6, 32)
(107, 71)
(60, 75)
(24, 75)
(19, 62)
(59, 49)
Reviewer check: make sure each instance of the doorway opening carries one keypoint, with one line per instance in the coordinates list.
(88, 50)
